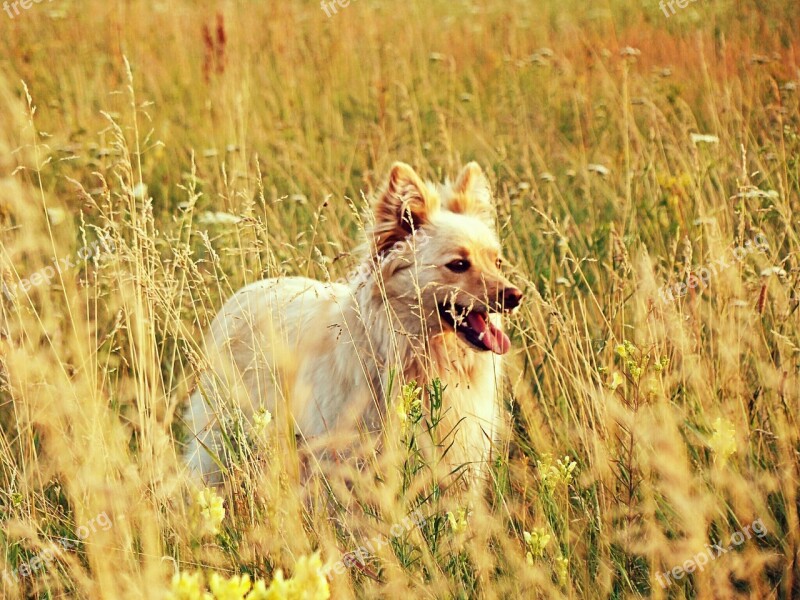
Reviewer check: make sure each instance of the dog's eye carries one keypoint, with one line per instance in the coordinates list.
(458, 266)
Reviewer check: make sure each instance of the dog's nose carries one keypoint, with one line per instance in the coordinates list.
(511, 298)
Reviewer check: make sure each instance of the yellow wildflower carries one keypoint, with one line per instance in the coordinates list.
(261, 421)
(308, 583)
(562, 569)
(547, 474)
(229, 589)
(536, 541)
(723, 440)
(458, 522)
(409, 405)
(260, 591)
(210, 511)
(279, 589)
(565, 469)
(625, 350)
(309, 580)
(616, 381)
(186, 586)
(400, 409)
(551, 475)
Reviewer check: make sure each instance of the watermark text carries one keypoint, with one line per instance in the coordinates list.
(711, 552)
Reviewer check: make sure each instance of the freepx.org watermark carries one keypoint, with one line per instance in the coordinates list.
(12, 8)
(711, 552)
(45, 275)
(700, 277)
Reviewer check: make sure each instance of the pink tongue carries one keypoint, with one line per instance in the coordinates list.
(494, 339)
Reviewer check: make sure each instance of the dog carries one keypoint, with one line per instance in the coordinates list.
(321, 356)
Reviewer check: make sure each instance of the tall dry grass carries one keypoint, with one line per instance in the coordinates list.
(134, 122)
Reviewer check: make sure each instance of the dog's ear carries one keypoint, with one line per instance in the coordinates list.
(403, 206)
(472, 182)
(472, 193)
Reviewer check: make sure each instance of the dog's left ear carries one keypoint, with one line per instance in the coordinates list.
(403, 206)
(472, 193)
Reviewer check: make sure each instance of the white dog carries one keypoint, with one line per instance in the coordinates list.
(319, 355)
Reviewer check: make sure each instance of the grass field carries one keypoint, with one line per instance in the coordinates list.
(647, 177)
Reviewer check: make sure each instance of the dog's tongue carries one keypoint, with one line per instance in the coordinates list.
(491, 337)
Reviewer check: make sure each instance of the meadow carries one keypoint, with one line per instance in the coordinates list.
(155, 156)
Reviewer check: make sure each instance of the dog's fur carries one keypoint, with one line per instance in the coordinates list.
(319, 355)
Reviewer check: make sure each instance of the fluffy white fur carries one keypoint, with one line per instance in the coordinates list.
(319, 355)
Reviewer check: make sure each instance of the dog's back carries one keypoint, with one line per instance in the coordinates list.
(282, 345)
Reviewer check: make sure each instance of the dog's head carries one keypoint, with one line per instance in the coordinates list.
(440, 258)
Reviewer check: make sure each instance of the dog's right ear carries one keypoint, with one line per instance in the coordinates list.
(403, 206)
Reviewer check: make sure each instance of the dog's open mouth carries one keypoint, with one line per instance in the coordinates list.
(475, 328)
